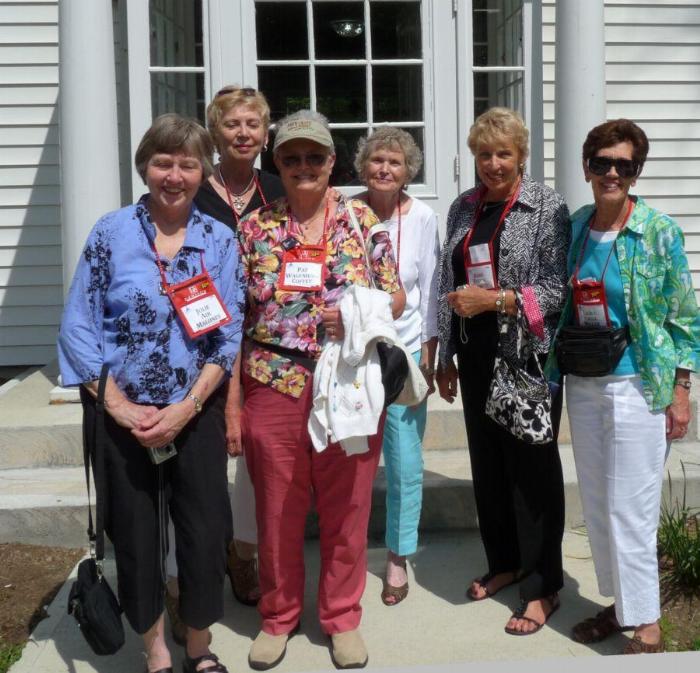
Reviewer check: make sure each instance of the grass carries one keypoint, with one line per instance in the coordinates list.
(9, 654)
(679, 542)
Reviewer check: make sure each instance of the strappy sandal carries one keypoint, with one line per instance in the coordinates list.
(638, 646)
(190, 665)
(397, 593)
(519, 613)
(600, 627)
(243, 575)
(483, 583)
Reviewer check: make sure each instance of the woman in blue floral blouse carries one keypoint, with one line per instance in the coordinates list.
(142, 304)
(630, 275)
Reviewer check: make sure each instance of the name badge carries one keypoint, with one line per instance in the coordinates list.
(303, 269)
(481, 275)
(198, 305)
(591, 304)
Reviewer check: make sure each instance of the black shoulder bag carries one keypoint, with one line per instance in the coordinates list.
(92, 601)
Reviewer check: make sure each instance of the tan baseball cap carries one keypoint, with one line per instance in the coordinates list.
(308, 129)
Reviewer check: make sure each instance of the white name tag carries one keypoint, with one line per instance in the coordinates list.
(203, 313)
(307, 275)
(481, 276)
(592, 315)
(479, 254)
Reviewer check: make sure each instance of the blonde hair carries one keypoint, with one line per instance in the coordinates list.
(232, 96)
(392, 139)
(498, 124)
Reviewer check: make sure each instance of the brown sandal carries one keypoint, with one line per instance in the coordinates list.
(485, 579)
(397, 593)
(600, 627)
(244, 577)
(638, 646)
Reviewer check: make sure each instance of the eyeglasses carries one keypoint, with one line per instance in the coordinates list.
(315, 159)
(625, 168)
(246, 91)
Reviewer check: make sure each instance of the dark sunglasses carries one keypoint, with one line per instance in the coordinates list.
(625, 168)
(246, 91)
(315, 159)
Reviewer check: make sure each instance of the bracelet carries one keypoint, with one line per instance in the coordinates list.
(501, 301)
(685, 383)
(426, 371)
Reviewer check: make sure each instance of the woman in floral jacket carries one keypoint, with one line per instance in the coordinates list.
(299, 254)
(622, 422)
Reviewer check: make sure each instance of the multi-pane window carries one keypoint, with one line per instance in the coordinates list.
(498, 54)
(358, 62)
(177, 57)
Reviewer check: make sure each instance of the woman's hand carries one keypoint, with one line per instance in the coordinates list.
(678, 414)
(233, 410)
(332, 321)
(130, 415)
(447, 382)
(470, 300)
(426, 364)
(162, 427)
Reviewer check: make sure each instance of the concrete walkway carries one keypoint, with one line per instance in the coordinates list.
(434, 625)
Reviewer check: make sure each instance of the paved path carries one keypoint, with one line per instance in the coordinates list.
(435, 625)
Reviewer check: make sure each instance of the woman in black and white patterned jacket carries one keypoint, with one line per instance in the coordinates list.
(503, 270)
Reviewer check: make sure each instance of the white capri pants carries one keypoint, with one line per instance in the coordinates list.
(245, 528)
(620, 448)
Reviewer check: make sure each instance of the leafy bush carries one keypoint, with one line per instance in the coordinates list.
(679, 541)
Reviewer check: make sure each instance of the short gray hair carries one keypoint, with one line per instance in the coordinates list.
(306, 115)
(392, 139)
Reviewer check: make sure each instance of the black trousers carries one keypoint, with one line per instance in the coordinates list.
(518, 487)
(193, 486)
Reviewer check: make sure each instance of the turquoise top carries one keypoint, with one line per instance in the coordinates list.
(594, 258)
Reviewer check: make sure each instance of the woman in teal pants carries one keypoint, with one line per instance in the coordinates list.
(387, 162)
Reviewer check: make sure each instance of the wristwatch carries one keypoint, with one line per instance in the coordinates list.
(685, 383)
(197, 402)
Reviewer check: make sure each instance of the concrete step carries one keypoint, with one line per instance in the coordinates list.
(49, 505)
(34, 433)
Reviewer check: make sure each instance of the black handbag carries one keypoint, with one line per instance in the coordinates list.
(92, 601)
(590, 351)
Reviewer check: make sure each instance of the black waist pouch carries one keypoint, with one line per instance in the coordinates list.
(590, 351)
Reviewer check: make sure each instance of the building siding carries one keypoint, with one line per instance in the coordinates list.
(31, 292)
(652, 72)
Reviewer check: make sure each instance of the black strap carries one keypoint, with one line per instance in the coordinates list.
(96, 535)
(296, 356)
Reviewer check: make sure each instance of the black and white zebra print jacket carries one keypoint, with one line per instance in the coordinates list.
(534, 244)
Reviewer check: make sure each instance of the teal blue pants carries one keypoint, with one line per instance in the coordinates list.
(403, 460)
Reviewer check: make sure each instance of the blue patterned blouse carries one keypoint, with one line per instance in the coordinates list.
(115, 313)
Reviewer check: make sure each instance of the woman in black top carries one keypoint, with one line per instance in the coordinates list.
(238, 120)
(503, 273)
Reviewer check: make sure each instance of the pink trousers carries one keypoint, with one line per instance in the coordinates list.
(287, 474)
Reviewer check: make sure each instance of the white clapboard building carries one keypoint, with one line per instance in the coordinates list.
(81, 80)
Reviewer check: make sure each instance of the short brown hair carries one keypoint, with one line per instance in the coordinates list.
(613, 132)
(499, 124)
(232, 96)
(171, 133)
(392, 139)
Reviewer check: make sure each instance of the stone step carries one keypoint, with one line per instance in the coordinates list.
(49, 505)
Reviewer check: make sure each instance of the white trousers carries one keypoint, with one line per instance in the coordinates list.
(245, 528)
(620, 448)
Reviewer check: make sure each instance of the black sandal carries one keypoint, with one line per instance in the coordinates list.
(519, 613)
(485, 579)
(190, 665)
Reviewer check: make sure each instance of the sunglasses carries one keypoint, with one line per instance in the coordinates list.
(246, 91)
(315, 159)
(625, 168)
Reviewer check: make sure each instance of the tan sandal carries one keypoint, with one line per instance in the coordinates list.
(243, 575)
(600, 627)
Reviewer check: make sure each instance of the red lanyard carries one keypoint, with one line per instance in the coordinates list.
(574, 278)
(292, 222)
(477, 216)
(164, 281)
(236, 216)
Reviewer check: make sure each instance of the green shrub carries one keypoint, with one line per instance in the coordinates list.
(9, 654)
(679, 541)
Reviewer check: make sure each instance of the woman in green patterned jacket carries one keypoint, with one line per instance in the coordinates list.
(629, 279)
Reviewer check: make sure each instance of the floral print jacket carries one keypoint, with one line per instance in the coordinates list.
(292, 320)
(661, 308)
